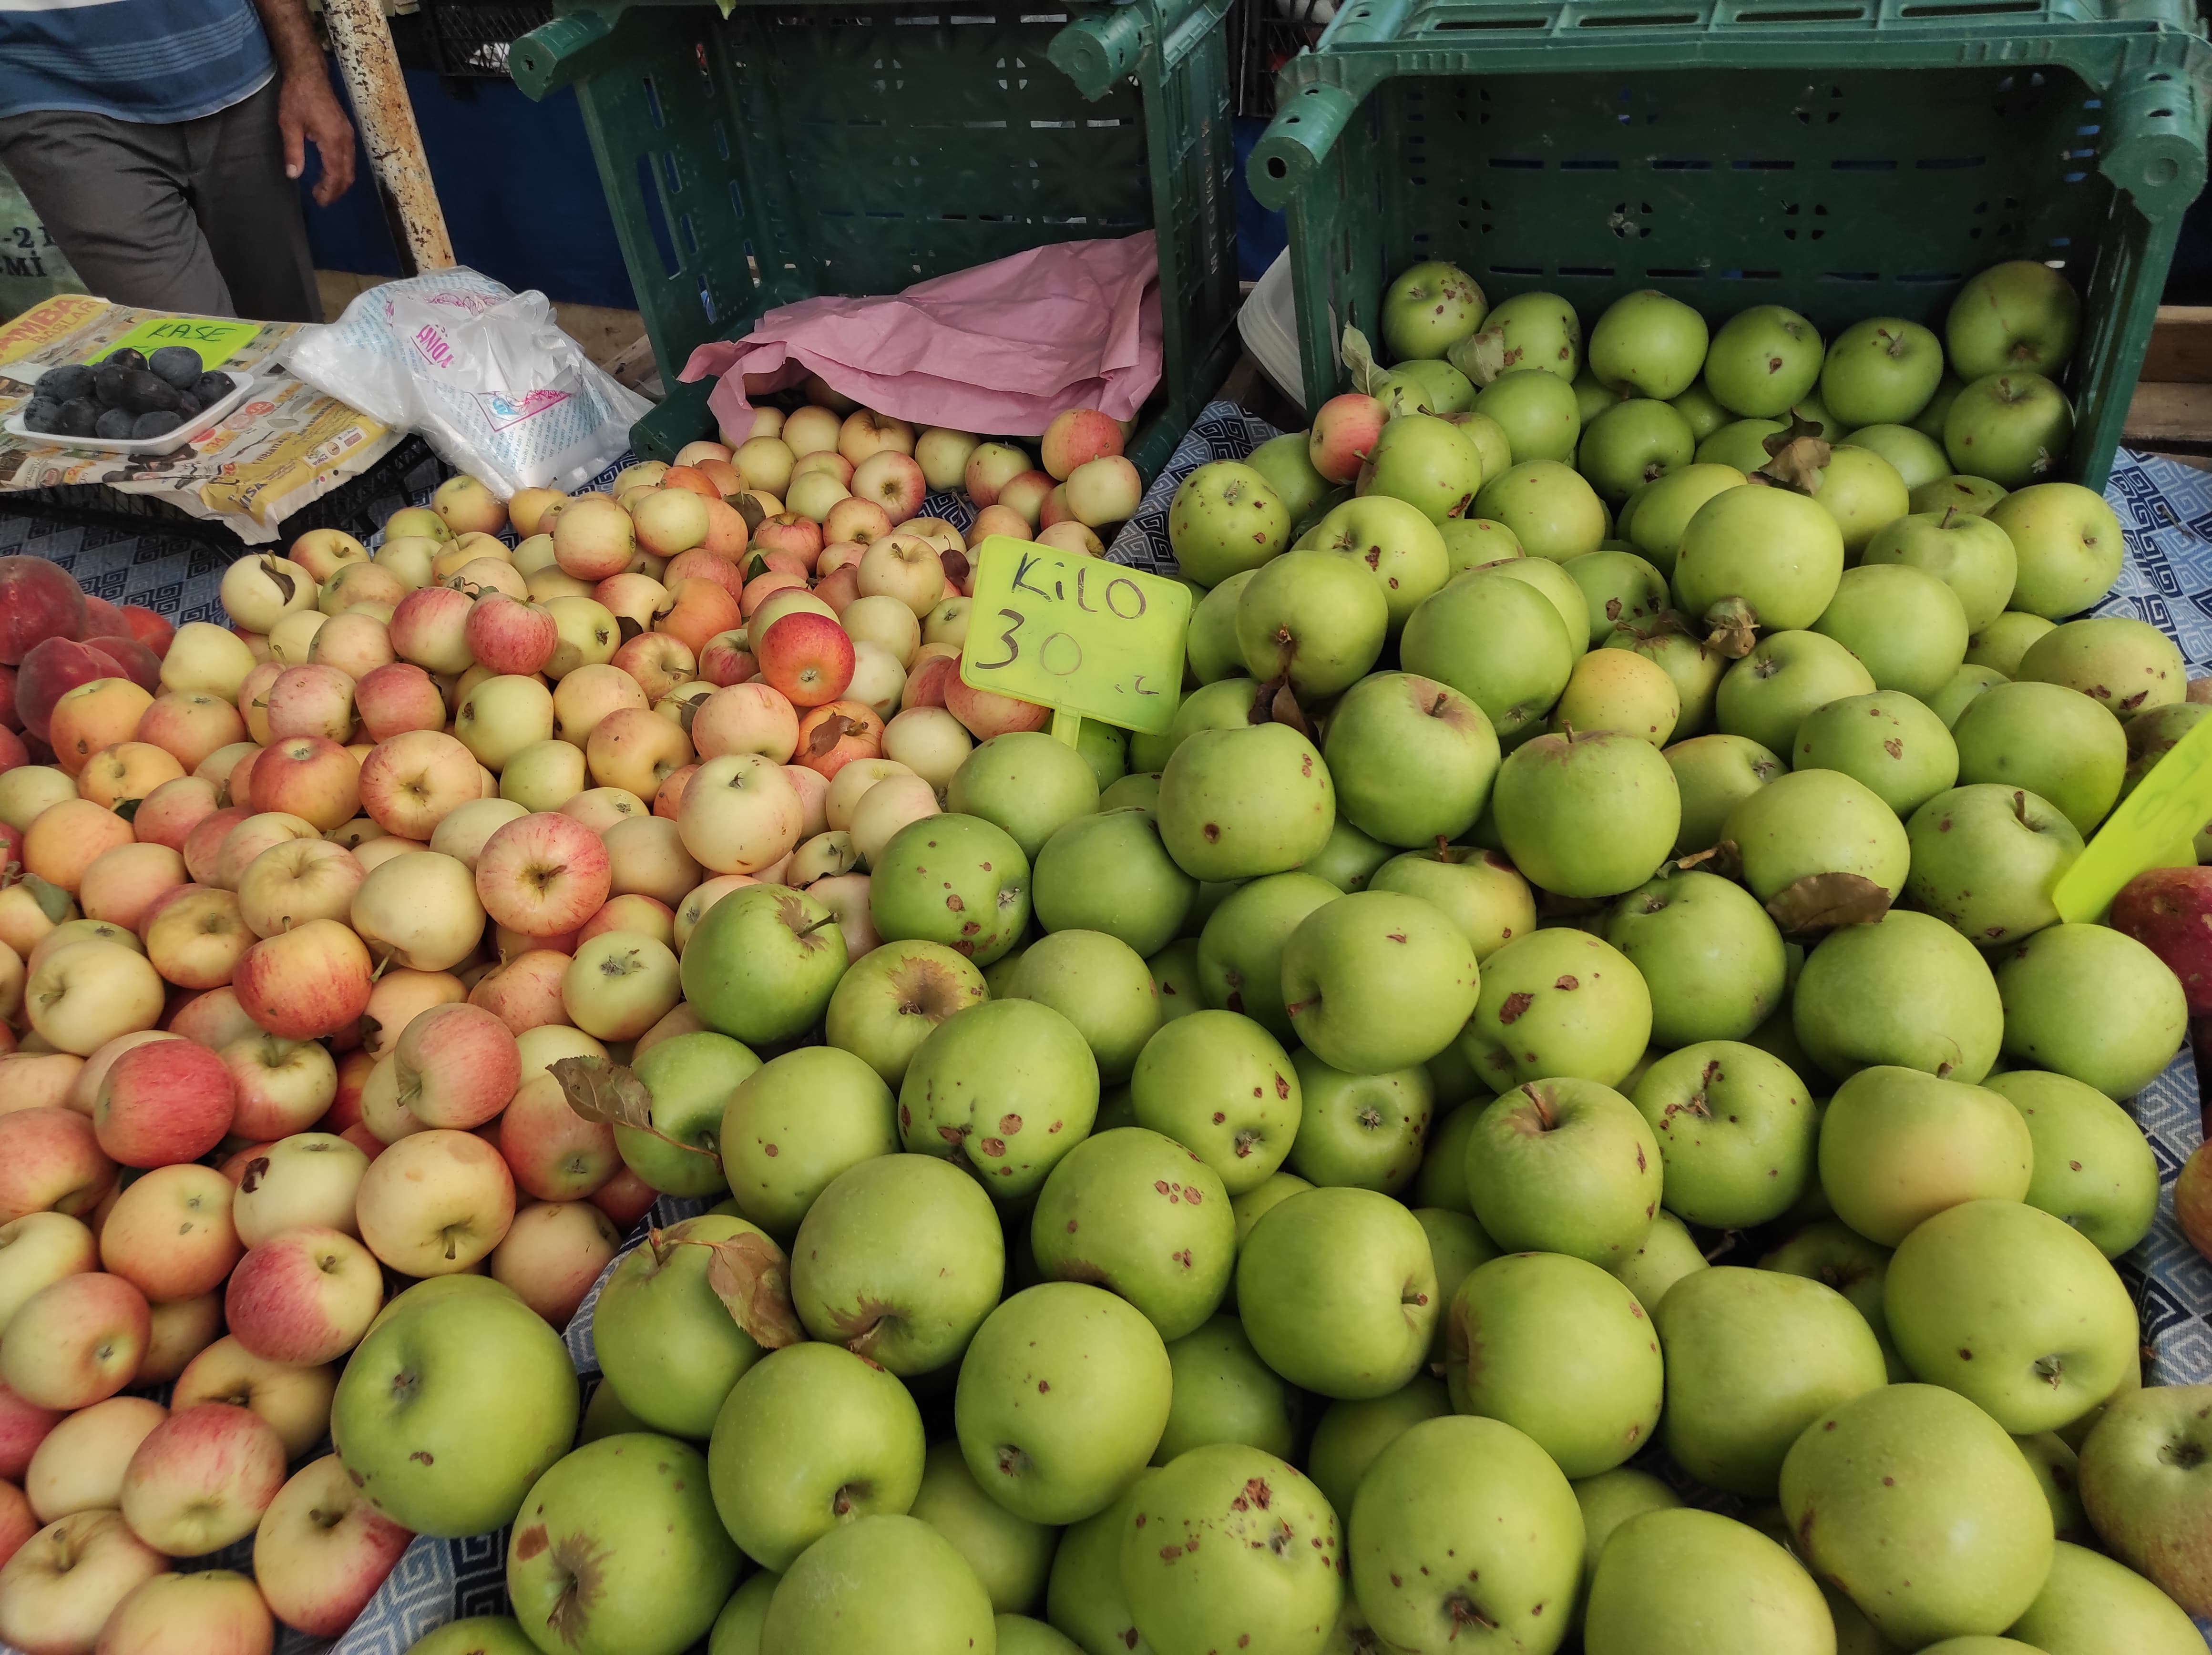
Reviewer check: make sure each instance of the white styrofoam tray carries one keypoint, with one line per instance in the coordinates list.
(1268, 322)
(241, 385)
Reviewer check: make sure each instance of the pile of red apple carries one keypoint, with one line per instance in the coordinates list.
(296, 915)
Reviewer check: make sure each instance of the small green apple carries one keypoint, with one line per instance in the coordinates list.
(1906, 989)
(1552, 510)
(1763, 360)
(1787, 677)
(1139, 1214)
(890, 1000)
(1534, 332)
(1969, 554)
(1587, 815)
(2094, 1167)
(2089, 1602)
(1378, 981)
(1916, 458)
(1906, 626)
(1353, 1432)
(486, 1634)
(1817, 822)
(1499, 642)
(1480, 891)
(1648, 343)
(1835, 1255)
(1338, 1292)
(1009, 1554)
(1985, 858)
(1413, 759)
(1223, 1393)
(1006, 1089)
(690, 1077)
(882, 1582)
(1557, 1002)
(1540, 420)
(1026, 783)
(1564, 1165)
(2004, 641)
(668, 1349)
(1609, 1499)
(1898, 1146)
(1894, 744)
(1240, 951)
(1424, 462)
(1881, 370)
(2067, 543)
(1083, 1598)
(978, 862)
(1737, 1133)
(794, 1123)
(1682, 1582)
(2014, 429)
(2018, 314)
(1237, 803)
(1713, 960)
(1442, 1181)
(1222, 1086)
(1318, 618)
(761, 965)
(1667, 1254)
(1364, 1131)
(1631, 444)
(1286, 466)
(1226, 518)
(1110, 872)
(737, 1627)
(1102, 985)
(1713, 775)
(1620, 588)
(1772, 557)
(2094, 1004)
(2057, 742)
(1430, 307)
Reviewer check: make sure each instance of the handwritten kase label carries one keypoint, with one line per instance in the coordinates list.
(1076, 634)
(216, 338)
(2151, 828)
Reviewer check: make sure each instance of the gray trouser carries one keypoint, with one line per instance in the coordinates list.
(195, 216)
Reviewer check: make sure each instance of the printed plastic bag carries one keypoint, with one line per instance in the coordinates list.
(485, 375)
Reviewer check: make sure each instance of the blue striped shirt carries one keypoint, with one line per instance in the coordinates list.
(137, 60)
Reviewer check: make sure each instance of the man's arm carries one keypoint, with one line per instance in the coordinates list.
(306, 108)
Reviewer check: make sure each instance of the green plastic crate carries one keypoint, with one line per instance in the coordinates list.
(1846, 157)
(801, 148)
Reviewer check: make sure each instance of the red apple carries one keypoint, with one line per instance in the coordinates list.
(625, 1198)
(162, 1103)
(322, 1550)
(304, 1296)
(507, 636)
(312, 700)
(76, 1342)
(524, 992)
(397, 698)
(808, 658)
(554, 1152)
(37, 601)
(51, 1161)
(202, 1479)
(312, 980)
(23, 1427)
(543, 875)
(310, 777)
(457, 1066)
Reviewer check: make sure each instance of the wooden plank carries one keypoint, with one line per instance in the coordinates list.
(2180, 345)
(2170, 417)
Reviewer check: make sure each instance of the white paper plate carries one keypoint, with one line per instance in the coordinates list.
(168, 442)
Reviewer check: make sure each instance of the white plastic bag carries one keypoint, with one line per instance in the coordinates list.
(485, 375)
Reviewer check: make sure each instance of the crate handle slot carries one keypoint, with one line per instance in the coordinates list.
(555, 54)
(2157, 150)
(1297, 140)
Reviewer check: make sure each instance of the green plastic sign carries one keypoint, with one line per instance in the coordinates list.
(2152, 828)
(216, 340)
(1089, 638)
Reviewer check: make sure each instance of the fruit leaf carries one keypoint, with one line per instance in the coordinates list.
(685, 712)
(749, 506)
(1799, 456)
(256, 1170)
(53, 901)
(829, 733)
(1732, 628)
(752, 1278)
(600, 1090)
(755, 565)
(1273, 703)
(128, 809)
(956, 567)
(628, 627)
(1360, 362)
(284, 584)
(1820, 903)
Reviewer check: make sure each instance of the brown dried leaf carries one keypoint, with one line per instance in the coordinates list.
(128, 809)
(749, 508)
(1820, 903)
(600, 1090)
(2200, 692)
(283, 582)
(628, 627)
(1799, 456)
(956, 567)
(829, 733)
(685, 712)
(256, 1170)
(1732, 628)
(752, 1278)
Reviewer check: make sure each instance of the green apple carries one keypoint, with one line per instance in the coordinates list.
(1631, 444)
(1609, 1499)
(1863, 492)
(1210, 646)
(1557, 1002)
(1881, 371)
(1787, 677)
(1906, 990)
(1699, 406)
(1105, 749)
(1353, 1432)
(1969, 495)
(1587, 815)
(1025, 782)
(1422, 463)
(2014, 429)
(1083, 1598)
(1764, 556)
(1224, 704)
(447, 1413)
(1620, 588)
(1564, 1165)
(1430, 308)
(1240, 951)
(2128, 664)
(899, 1259)
(1667, 1254)
(1713, 960)
(1231, 1546)
(1456, 1246)
(1557, 1349)
(1174, 974)
(882, 1582)
(606, 1416)
(1969, 554)
(1889, 740)
(1898, 1146)
(2094, 1004)
(1713, 775)
(1063, 1397)
(1754, 1356)
(1237, 803)
(1740, 445)
(1472, 543)
(1009, 1554)
(1763, 360)
(1442, 1180)
(1811, 822)
(1363, 1130)
(2018, 314)
(1648, 342)
(1737, 1133)
(1222, 1086)
(1347, 860)
(1480, 891)
(1413, 759)
(1920, 1506)
(1102, 985)
(669, 1351)
(1682, 1582)
(1223, 1393)
(1018, 1635)
(889, 1002)
(1665, 506)
(1551, 509)
(810, 1438)
(1985, 859)
(2094, 1167)
(1226, 518)
(2000, 643)
(761, 965)
(1498, 641)
(1537, 411)
(1317, 618)
(737, 1627)
(2057, 742)
(1835, 1255)
(1338, 1292)
(794, 1123)
(689, 1077)
(1110, 872)
(953, 879)
(1137, 1214)
(1463, 1522)
(1286, 466)
(617, 1550)
(1916, 458)
(1530, 331)
(2057, 1471)
(2089, 1602)
(2145, 1466)
(1907, 627)
(1953, 699)
(2068, 545)
(1006, 1089)
(1488, 436)
(2014, 1310)
(1376, 981)
(484, 1634)
(1139, 790)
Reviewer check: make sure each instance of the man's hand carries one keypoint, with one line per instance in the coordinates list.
(307, 109)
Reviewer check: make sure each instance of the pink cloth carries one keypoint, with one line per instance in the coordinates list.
(998, 348)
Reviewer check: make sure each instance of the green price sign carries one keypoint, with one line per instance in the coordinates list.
(216, 340)
(1089, 638)
(2152, 828)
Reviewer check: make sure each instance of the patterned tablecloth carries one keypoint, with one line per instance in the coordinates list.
(2166, 513)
